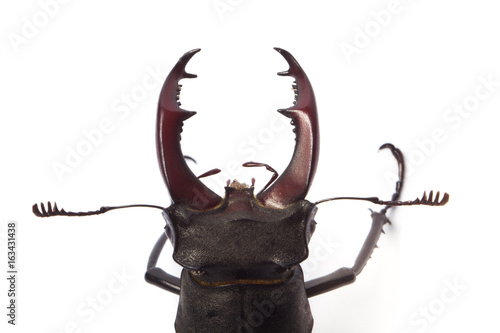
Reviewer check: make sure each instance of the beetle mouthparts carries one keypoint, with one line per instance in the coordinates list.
(237, 185)
(183, 186)
(294, 182)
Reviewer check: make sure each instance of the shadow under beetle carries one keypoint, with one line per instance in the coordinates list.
(243, 251)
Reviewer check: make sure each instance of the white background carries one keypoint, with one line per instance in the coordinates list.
(73, 68)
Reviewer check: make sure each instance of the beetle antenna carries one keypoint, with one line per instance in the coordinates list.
(426, 201)
(54, 211)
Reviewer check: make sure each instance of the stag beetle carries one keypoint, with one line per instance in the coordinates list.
(243, 250)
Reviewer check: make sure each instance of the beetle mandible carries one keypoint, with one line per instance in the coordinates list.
(244, 250)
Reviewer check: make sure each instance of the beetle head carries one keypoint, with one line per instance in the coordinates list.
(240, 240)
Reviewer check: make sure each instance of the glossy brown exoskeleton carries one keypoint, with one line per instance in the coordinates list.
(241, 254)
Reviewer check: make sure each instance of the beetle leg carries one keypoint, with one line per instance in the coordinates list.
(398, 155)
(378, 222)
(346, 275)
(157, 276)
(340, 278)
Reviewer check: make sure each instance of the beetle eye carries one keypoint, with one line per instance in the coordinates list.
(168, 232)
(310, 230)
